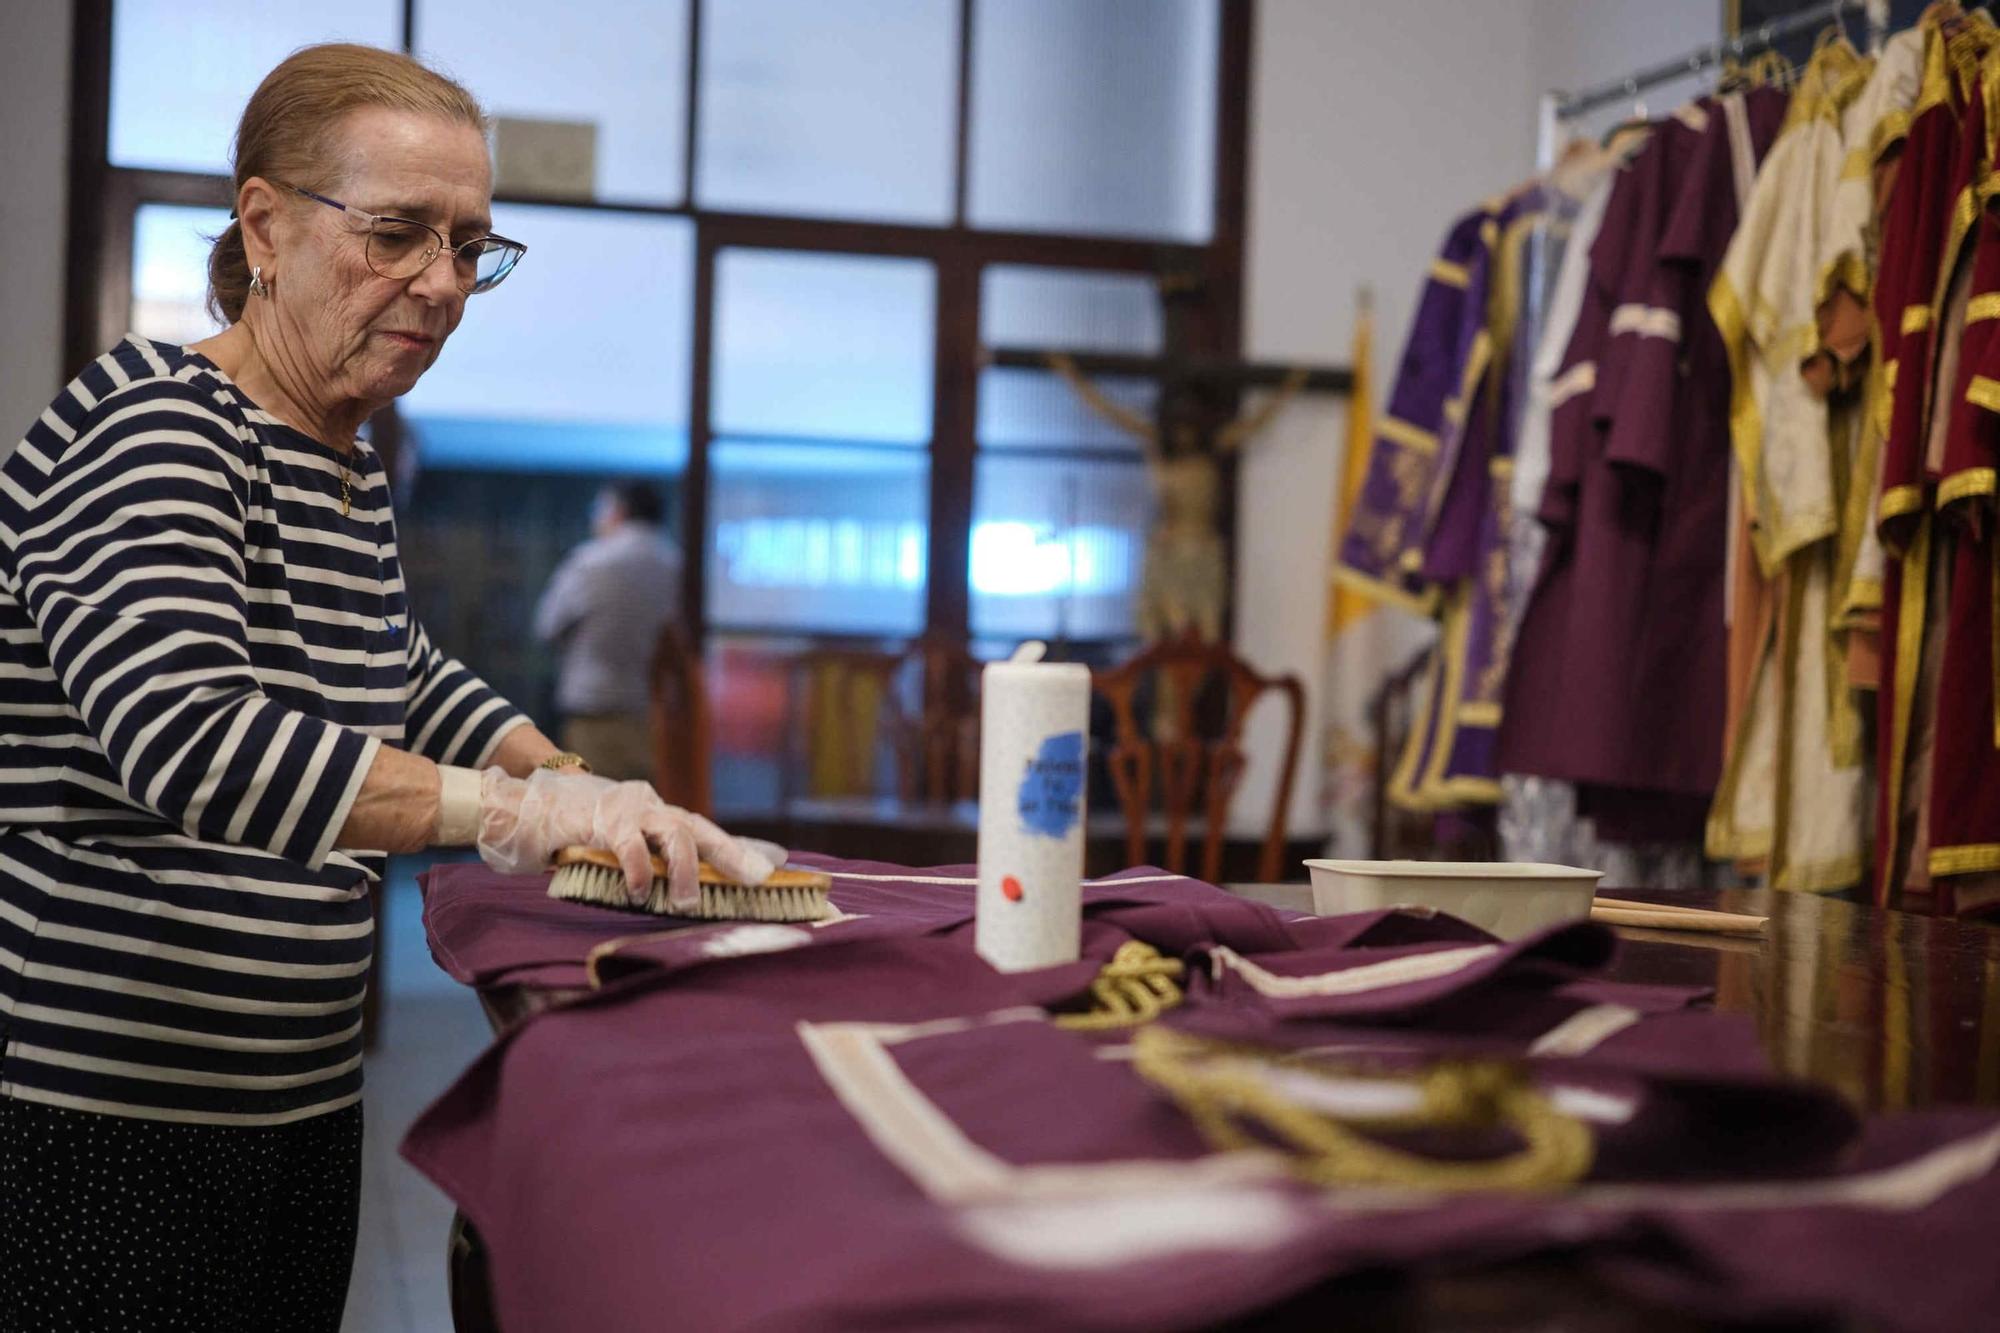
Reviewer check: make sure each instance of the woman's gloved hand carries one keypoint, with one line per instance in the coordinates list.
(524, 822)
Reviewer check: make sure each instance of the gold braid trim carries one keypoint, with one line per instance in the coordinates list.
(1983, 393)
(1910, 610)
(1934, 86)
(1448, 273)
(1397, 431)
(1973, 859)
(1135, 987)
(1898, 501)
(1436, 791)
(1423, 603)
(1890, 131)
(1402, 789)
(1746, 422)
(1965, 485)
(1823, 877)
(1846, 270)
(1231, 1096)
(1831, 78)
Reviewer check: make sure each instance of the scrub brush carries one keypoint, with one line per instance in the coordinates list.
(586, 875)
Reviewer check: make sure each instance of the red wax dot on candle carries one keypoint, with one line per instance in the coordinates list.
(1011, 887)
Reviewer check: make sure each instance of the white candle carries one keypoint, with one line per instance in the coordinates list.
(1033, 743)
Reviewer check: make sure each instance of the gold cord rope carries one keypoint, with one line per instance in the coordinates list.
(1135, 987)
(1229, 1094)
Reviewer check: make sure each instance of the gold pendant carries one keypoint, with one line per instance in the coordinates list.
(346, 496)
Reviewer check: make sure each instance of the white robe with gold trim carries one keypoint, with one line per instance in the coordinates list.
(1792, 782)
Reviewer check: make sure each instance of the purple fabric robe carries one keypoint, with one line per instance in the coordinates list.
(862, 1129)
(1384, 548)
(1466, 555)
(1617, 678)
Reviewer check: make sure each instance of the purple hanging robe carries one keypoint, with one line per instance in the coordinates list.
(1466, 553)
(1617, 682)
(1383, 551)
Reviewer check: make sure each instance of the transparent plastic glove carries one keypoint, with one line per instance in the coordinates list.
(770, 851)
(523, 823)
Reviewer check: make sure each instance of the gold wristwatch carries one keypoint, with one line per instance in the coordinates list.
(563, 759)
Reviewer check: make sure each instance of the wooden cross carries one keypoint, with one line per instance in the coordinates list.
(1196, 408)
(1194, 426)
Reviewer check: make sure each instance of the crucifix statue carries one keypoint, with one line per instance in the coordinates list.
(1195, 424)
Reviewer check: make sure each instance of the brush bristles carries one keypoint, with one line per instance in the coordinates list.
(605, 887)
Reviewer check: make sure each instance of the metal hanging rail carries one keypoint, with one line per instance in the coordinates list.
(1568, 106)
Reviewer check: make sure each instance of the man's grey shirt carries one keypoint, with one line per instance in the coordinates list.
(604, 610)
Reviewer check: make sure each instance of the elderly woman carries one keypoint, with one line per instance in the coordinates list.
(218, 714)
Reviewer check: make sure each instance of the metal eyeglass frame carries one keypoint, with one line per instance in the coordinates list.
(443, 245)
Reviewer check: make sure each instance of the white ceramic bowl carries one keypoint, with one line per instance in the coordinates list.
(1509, 899)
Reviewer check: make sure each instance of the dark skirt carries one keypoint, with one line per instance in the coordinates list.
(109, 1223)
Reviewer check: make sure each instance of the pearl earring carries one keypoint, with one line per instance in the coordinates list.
(257, 287)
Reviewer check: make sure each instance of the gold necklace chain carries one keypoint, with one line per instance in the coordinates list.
(346, 488)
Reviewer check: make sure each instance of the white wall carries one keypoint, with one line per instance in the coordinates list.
(1372, 125)
(1584, 43)
(34, 176)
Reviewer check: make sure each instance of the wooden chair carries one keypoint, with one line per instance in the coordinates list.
(1195, 770)
(680, 722)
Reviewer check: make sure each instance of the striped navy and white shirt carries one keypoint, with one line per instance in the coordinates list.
(199, 657)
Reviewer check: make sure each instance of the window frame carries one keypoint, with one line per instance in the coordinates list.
(104, 200)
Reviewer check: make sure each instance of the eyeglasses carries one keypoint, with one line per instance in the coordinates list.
(400, 249)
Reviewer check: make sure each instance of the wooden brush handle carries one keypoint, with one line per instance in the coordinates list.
(780, 879)
(591, 856)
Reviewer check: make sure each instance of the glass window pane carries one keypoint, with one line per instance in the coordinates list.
(170, 246)
(1057, 547)
(620, 65)
(580, 361)
(823, 346)
(1051, 307)
(846, 110)
(181, 70)
(1066, 307)
(1094, 116)
(823, 538)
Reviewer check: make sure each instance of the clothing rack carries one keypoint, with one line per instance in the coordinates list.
(1558, 107)
(1571, 105)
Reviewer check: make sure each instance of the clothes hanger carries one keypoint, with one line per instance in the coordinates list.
(1732, 74)
(1638, 120)
(1775, 70)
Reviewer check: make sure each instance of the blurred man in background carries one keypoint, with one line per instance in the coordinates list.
(604, 610)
